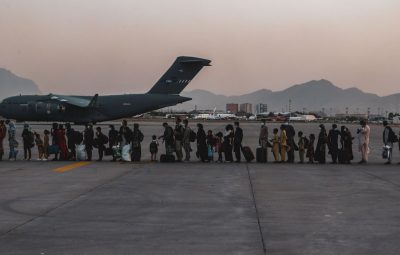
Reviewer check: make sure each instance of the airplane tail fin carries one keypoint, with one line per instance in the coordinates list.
(179, 75)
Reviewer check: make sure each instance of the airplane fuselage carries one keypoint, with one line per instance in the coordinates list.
(38, 108)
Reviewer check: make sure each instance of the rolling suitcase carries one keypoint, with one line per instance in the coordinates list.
(248, 154)
(261, 155)
(167, 158)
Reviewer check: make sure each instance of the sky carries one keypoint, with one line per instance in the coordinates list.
(124, 46)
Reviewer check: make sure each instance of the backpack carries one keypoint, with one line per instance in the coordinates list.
(392, 136)
(192, 136)
(78, 137)
(31, 139)
(103, 139)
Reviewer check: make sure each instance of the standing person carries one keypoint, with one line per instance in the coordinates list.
(237, 141)
(112, 140)
(101, 140)
(3, 134)
(62, 142)
(333, 143)
(71, 142)
(310, 149)
(46, 144)
(88, 140)
(210, 145)
(218, 145)
(178, 133)
(54, 139)
(12, 142)
(290, 133)
(276, 145)
(168, 139)
(320, 151)
(302, 144)
(346, 140)
(227, 144)
(28, 140)
(389, 137)
(363, 138)
(154, 148)
(125, 134)
(283, 143)
(39, 145)
(263, 140)
(187, 139)
(201, 143)
(137, 139)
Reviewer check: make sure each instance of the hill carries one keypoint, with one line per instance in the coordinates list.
(12, 85)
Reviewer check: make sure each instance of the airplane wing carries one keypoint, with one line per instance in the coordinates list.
(75, 101)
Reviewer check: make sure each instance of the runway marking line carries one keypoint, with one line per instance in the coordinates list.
(71, 166)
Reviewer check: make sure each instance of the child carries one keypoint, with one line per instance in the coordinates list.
(275, 145)
(154, 148)
(39, 145)
(210, 145)
(218, 145)
(302, 146)
(310, 149)
(46, 140)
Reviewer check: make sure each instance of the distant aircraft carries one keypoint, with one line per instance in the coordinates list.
(215, 116)
(86, 109)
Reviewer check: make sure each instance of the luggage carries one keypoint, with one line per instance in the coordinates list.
(116, 152)
(81, 152)
(386, 152)
(228, 152)
(261, 155)
(248, 154)
(126, 153)
(167, 158)
(53, 149)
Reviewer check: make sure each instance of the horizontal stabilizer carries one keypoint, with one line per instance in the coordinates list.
(179, 75)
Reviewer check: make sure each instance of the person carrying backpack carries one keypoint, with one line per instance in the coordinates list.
(389, 137)
(154, 148)
(137, 138)
(179, 133)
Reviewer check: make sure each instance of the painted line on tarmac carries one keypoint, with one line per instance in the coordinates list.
(71, 166)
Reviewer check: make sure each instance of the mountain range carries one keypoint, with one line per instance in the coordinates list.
(310, 96)
(12, 85)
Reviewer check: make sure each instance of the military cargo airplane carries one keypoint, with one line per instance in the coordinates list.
(86, 109)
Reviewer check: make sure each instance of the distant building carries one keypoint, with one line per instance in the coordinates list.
(353, 116)
(232, 108)
(261, 108)
(246, 107)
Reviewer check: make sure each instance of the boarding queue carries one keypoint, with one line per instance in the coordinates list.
(62, 142)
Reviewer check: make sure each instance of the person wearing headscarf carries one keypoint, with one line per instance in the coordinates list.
(283, 144)
(62, 142)
(201, 143)
(12, 142)
(333, 143)
(347, 145)
(3, 134)
(320, 151)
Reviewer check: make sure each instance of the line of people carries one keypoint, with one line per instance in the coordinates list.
(125, 144)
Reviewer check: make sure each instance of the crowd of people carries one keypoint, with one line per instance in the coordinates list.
(125, 144)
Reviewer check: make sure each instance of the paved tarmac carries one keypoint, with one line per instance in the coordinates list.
(194, 208)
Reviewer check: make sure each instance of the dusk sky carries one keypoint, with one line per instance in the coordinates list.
(124, 46)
